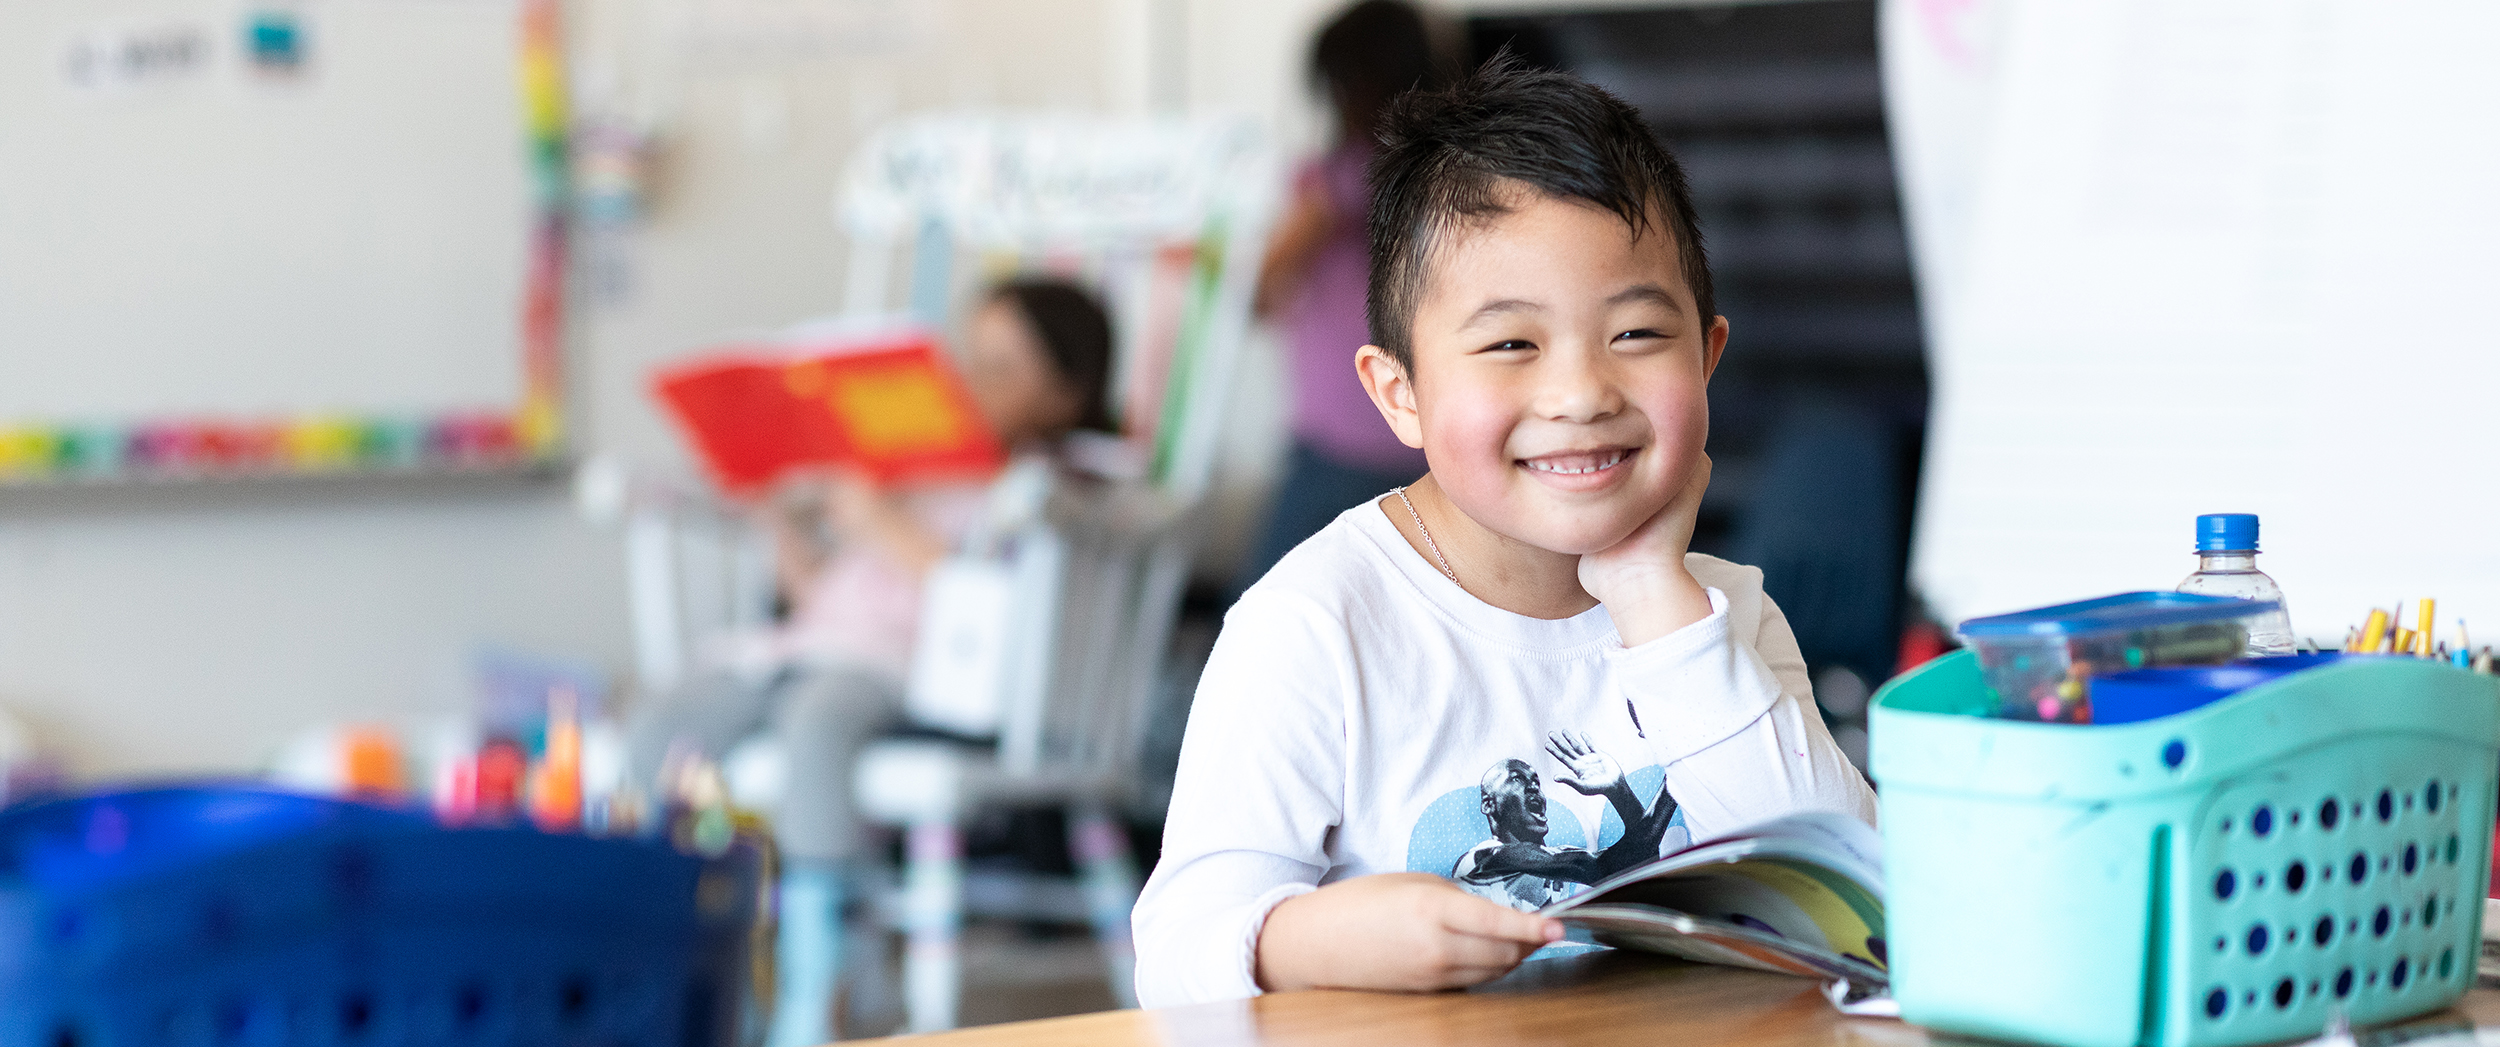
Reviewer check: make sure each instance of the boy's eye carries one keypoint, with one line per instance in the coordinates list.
(1639, 333)
(1510, 345)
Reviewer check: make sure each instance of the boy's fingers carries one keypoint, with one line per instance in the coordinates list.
(1467, 960)
(1484, 919)
(1464, 959)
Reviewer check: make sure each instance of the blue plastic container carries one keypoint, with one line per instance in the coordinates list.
(2150, 694)
(2222, 876)
(240, 915)
(2040, 663)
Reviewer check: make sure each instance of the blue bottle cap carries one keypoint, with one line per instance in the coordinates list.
(2218, 532)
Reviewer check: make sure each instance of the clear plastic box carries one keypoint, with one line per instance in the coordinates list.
(2041, 662)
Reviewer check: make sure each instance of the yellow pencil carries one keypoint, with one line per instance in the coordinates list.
(2373, 632)
(2402, 642)
(2425, 623)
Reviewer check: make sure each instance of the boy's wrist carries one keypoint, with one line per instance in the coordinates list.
(1657, 604)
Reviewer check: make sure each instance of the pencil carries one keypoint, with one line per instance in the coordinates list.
(2373, 632)
(2425, 622)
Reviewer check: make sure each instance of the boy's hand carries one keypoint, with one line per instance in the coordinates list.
(1642, 580)
(1411, 932)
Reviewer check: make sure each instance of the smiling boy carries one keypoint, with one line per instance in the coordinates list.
(1545, 332)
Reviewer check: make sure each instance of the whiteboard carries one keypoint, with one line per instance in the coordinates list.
(199, 234)
(2224, 256)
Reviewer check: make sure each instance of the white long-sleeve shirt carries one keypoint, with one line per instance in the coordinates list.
(1362, 714)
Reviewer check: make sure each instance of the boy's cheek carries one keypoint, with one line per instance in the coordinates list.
(1686, 432)
(1468, 444)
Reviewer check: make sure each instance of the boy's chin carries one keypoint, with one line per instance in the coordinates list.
(1576, 534)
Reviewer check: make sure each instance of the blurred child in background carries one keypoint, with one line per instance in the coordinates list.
(1312, 283)
(850, 562)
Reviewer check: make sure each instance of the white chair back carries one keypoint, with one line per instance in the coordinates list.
(1051, 644)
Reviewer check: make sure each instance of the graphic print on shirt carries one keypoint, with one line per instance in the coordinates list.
(1536, 854)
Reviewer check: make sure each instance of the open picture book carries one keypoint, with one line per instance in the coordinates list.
(1796, 895)
(886, 404)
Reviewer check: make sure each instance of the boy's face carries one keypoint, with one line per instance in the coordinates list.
(1559, 378)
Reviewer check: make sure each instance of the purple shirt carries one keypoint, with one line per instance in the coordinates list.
(1325, 324)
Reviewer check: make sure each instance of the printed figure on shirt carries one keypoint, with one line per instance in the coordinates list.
(1516, 867)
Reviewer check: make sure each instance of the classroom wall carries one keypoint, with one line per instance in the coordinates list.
(180, 631)
(169, 633)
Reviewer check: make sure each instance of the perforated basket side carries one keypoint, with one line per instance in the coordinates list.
(2346, 874)
(2042, 879)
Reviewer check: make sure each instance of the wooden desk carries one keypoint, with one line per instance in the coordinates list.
(1590, 1001)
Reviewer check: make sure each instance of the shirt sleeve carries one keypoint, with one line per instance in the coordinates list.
(1260, 789)
(1735, 724)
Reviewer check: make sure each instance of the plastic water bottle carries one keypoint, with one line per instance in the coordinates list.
(2226, 554)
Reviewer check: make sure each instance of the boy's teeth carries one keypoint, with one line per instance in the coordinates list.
(1576, 464)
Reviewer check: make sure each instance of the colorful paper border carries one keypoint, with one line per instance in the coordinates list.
(530, 433)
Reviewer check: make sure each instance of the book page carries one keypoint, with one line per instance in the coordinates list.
(1813, 881)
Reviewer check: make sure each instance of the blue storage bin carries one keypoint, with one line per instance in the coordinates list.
(2149, 694)
(242, 915)
(2221, 876)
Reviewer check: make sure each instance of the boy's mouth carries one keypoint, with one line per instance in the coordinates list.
(1579, 463)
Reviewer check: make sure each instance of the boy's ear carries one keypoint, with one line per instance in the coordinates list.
(1392, 391)
(1713, 345)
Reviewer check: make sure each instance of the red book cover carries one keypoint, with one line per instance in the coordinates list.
(893, 409)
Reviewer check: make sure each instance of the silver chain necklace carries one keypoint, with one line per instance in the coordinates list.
(1428, 542)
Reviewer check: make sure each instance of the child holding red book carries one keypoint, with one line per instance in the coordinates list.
(830, 677)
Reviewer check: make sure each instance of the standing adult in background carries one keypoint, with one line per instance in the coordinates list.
(1313, 284)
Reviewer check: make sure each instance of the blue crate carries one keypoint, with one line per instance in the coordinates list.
(241, 915)
(2225, 875)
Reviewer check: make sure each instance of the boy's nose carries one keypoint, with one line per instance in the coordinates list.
(1577, 387)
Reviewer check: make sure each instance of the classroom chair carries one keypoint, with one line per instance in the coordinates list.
(1057, 648)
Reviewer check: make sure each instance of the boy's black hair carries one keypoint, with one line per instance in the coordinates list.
(1075, 334)
(1444, 156)
(1372, 52)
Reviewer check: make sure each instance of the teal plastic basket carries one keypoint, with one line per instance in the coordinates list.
(2222, 876)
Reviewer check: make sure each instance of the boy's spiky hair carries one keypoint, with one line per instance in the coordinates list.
(1445, 156)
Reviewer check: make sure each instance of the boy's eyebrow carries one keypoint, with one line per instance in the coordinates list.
(1499, 307)
(1651, 293)
(1644, 293)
